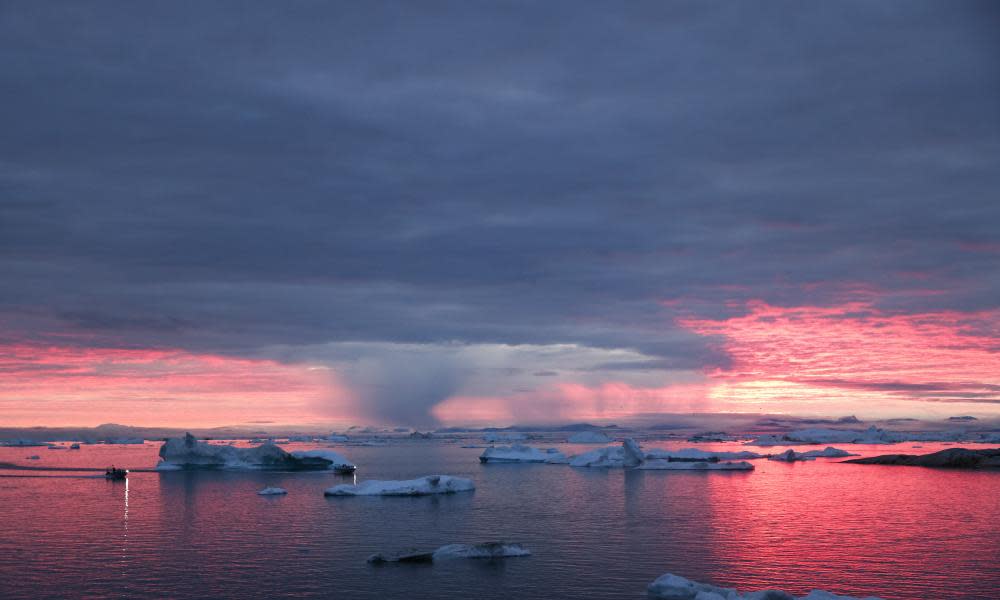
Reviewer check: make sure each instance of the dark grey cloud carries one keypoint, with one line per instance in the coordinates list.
(231, 177)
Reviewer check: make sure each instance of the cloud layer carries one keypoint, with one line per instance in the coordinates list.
(268, 181)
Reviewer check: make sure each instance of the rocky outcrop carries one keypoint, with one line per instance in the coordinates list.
(952, 458)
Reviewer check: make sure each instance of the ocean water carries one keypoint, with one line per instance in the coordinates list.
(893, 532)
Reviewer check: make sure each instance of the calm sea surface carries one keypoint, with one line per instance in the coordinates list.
(894, 532)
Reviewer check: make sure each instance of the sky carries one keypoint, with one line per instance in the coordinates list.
(456, 213)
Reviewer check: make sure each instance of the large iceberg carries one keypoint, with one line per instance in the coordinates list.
(189, 453)
(432, 484)
(589, 437)
(490, 550)
(675, 587)
(339, 463)
(522, 454)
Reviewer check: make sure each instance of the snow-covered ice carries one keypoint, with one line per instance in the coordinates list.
(675, 587)
(272, 491)
(522, 454)
(828, 452)
(589, 437)
(432, 484)
(630, 455)
(872, 435)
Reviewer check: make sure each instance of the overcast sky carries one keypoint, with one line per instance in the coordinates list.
(481, 199)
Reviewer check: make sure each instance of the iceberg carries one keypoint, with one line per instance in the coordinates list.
(522, 454)
(189, 453)
(272, 491)
(491, 550)
(589, 437)
(828, 452)
(334, 437)
(630, 455)
(791, 456)
(339, 463)
(34, 457)
(424, 486)
(675, 587)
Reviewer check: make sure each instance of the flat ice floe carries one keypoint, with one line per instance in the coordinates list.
(424, 486)
(272, 491)
(698, 454)
(522, 454)
(588, 437)
(675, 587)
(491, 550)
(189, 453)
(691, 465)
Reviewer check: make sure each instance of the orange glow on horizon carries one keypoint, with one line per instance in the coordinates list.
(60, 385)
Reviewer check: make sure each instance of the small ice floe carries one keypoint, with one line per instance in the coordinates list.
(491, 550)
(272, 491)
(338, 462)
(74, 446)
(424, 486)
(691, 465)
(57, 447)
(522, 454)
(828, 452)
(675, 587)
(503, 436)
(589, 437)
(34, 457)
(336, 437)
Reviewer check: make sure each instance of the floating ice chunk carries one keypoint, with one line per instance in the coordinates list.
(334, 437)
(601, 458)
(491, 550)
(691, 465)
(74, 446)
(675, 587)
(503, 436)
(695, 454)
(589, 437)
(432, 484)
(521, 454)
(272, 491)
(828, 452)
(187, 452)
(338, 461)
(34, 457)
(791, 456)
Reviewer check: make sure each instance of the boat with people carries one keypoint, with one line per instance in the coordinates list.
(113, 474)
